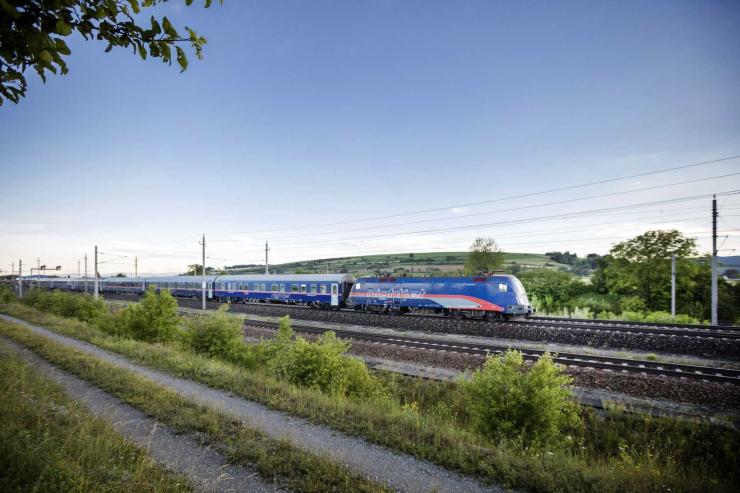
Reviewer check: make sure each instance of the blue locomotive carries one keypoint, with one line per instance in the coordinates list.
(495, 297)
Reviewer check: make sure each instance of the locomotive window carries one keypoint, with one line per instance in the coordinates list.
(274, 288)
(502, 287)
(303, 288)
(323, 289)
(282, 288)
(294, 288)
(313, 289)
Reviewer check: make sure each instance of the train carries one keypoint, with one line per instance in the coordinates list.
(485, 296)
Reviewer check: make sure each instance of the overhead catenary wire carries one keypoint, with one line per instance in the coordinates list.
(481, 202)
(518, 221)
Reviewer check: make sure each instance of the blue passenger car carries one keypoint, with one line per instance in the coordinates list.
(123, 285)
(316, 290)
(182, 286)
(498, 296)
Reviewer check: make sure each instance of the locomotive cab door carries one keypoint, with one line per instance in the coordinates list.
(335, 294)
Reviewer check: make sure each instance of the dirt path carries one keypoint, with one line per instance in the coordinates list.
(400, 472)
(203, 466)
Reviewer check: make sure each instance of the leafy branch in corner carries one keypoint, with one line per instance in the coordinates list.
(32, 32)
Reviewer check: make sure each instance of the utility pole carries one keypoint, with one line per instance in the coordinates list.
(95, 273)
(673, 285)
(78, 268)
(714, 260)
(136, 266)
(20, 280)
(85, 273)
(203, 273)
(267, 265)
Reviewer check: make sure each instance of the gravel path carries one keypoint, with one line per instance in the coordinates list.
(202, 465)
(400, 472)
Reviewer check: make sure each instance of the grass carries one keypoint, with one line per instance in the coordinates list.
(49, 442)
(294, 469)
(429, 420)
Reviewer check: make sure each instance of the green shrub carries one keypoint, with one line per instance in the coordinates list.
(665, 317)
(153, 319)
(508, 400)
(6, 294)
(215, 334)
(82, 307)
(632, 304)
(321, 364)
(633, 316)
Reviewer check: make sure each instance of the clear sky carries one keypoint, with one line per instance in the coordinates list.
(312, 113)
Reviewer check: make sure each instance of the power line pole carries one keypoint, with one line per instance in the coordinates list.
(136, 266)
(673, 285)
(85, 273)
(95, 273)
(78, 268)
(714, 260)
(267, 265)
(203, 273)
(20, 280)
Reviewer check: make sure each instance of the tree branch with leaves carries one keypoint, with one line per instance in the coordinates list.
(32, 35)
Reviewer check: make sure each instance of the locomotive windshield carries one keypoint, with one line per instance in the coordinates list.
(521, 295)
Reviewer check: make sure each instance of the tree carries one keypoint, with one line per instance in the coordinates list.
(484, 256)
(32, 32)
(641, 267)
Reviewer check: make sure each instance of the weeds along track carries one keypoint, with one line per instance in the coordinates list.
(696, 341)
(645, 367)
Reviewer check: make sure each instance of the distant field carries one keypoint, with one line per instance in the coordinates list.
(428, 263)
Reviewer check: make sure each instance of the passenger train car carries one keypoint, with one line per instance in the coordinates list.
(316, 290)
(497, 296)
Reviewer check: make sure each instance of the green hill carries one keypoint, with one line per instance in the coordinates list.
(417, 264)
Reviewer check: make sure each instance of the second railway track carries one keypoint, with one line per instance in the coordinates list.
(695, 372)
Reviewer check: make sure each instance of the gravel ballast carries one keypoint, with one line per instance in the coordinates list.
(400, 472)
(720, 397)
(206, 468)
(532, 331)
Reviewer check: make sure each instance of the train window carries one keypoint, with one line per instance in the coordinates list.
(334, 289)
(303, 288)
(502, 287)
(313, 289)
(357, 285)
(274, 288)
(322, 289)
(294, 288)
(282, 288)
(263, 286)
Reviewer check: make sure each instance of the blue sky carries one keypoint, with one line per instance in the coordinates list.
(308, 113)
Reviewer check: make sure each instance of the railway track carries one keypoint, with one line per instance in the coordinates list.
(647, 367)
(395, 321)
(586, 321)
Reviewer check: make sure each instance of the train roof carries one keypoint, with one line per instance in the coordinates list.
(125, 279)
(288, 277)
(197, 279)
(494, 278)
